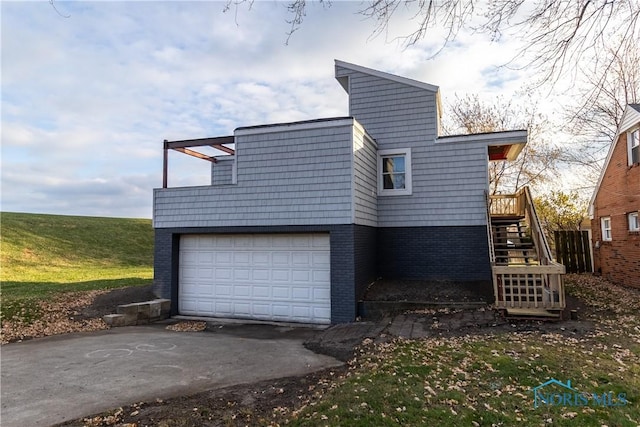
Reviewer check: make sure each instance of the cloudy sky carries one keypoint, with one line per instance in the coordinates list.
(88, 97)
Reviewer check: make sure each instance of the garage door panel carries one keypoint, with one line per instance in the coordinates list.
(263, 310)
(261, 276)
(261, 291)
(301, 275)
(242, 274)
(280, 276)
(321, 276)
(203, 243)
(301, 293)
(242, 291)
(205, 273)
(321, 313)
(242, 308)
(279, 259)
(242, 258)
(281, 292)
(243, 241)
(188, 258)
(320, 260)
(260, 259)
(223, 274)
(301, 259)
(321, 295)
(206, 290)
(223, 308)
(281, 310)
(300, 312)
(223, 258)
(222, 290)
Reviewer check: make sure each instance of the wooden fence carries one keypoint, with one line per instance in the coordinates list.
(573, 249)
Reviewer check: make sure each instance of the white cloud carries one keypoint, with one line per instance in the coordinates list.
(88, 100)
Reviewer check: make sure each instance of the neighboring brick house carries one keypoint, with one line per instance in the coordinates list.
(615, 205)
(301, 217)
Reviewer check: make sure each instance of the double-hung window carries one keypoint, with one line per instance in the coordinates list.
(633, 140)
(394, 172)
(632, 219)
(605, 225)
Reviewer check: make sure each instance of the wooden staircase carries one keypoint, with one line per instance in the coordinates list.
(527, 282)
(512, 241)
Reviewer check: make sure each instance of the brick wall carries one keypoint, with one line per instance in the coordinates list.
(359, 255)
(618, 194)
(366, 266)
(457, 254)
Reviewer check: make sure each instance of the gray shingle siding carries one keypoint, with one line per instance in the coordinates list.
(449, 183)
(395, 114)
(364, 179)
(222, 171)
(288, 177)
(448, 179)
(321, 176)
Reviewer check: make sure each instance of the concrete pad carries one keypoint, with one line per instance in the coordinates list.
(51, 380)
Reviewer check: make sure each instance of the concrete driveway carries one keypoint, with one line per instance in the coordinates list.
(51, 380)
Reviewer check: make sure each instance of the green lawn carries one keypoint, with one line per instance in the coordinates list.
(479, 380)
(42, 255)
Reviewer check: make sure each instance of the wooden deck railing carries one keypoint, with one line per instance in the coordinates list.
(507, 204)
(527, 286)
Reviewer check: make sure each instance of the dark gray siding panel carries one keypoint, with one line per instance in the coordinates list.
(343, 276)
(457, 254)
(366, 267)
(165, 266)
(343, 293)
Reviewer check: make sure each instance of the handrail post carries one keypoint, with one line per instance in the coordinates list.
(165, 161)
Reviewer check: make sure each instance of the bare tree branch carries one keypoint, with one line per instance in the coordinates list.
(52, 3)
(537, 162)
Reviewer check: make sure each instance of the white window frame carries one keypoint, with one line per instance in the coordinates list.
(632, 220)
(606, 230)
(633, 143)
(407, 190)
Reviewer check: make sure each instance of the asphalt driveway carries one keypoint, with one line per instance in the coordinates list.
(51, 380)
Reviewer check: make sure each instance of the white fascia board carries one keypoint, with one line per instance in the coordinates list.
(493, 138)
(295, 126)
(388, 76)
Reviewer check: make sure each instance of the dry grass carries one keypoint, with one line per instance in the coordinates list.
(57, 316)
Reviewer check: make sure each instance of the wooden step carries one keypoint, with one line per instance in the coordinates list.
(532, 312)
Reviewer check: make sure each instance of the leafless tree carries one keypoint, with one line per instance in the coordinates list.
(595, 120)
(557, 34)
(536, 162)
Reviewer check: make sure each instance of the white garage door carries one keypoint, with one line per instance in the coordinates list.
(282, 277)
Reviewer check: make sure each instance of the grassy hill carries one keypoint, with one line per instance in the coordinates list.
(44, 254)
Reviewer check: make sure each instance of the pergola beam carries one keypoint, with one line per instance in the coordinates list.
(223, 148)
(196, 154)
(184, 146)
(201, 142)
